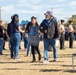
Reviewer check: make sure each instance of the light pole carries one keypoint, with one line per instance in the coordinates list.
(52, 10)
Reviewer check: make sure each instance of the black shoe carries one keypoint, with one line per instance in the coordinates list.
(4, 49)
(19, 47)
(33, 61)
(62, 48)
(12, 57)
(39, 58)
(1, 53)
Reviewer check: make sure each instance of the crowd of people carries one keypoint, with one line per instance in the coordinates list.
(49, 29)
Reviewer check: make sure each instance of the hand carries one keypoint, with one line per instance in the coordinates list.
(23, 31)
(58, 38)
(45, 31)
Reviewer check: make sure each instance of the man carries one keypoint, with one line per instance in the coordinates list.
(71, 34)
(1, 37)
(62, 32)
(50, 29)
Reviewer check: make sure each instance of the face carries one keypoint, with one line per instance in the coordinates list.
(34, 21)
(47, 17)
(62, 23)
(71, 23)
(1, 23)
(16, 18)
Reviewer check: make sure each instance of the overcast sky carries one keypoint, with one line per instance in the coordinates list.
(62, 9)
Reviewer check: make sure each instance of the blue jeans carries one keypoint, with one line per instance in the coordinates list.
(47, 43)
(1, 45)
(28, 49)
(15, 43)
(25, 42)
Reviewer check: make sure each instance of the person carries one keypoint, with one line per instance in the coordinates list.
(71, 34)
(1, 37)
(5, 38)
(50, 29)
(62, 32)
(15, 37)
(75, 32)
(33, 38)
(25, 37)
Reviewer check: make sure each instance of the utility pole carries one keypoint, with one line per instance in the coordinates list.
(52, 10)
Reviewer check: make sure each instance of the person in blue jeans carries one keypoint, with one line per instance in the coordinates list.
(50, 30)
(15, 36)
(1, 37)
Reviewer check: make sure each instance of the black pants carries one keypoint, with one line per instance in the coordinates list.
(33, 48)
(62, 40)
(71, 37)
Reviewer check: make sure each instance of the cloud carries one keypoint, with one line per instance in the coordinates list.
(29, 12)
(8, 9)
(60, 0)
(55, 6)
(73, 4)
(30, 1)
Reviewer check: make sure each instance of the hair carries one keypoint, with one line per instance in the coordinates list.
(13, 18)
(33, 17)
(70, 21)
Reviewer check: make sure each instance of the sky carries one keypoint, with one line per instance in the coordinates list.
(62, 9)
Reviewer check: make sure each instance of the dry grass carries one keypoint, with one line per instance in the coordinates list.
(25, 67)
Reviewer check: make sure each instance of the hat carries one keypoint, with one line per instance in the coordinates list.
(48, 13)
(62, 20)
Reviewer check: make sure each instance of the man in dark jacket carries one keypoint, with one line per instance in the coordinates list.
(50, 29)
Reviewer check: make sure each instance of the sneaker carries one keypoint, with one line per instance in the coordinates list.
(46, 61)
(55, 60)
(16, 58)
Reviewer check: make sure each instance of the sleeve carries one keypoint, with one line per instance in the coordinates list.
(27, 28)
(8, 29)
(57, 32)
(41, 28)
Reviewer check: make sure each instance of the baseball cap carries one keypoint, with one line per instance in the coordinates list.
(48, 13)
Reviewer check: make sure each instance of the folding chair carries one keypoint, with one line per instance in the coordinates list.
(73, 55)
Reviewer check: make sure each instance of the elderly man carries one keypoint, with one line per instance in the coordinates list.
(50, 29)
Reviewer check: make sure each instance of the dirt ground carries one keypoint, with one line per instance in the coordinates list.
(25, 67)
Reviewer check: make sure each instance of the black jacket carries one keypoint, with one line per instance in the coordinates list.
(52, 28)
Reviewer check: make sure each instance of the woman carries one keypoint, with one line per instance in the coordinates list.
(15, 36)
(33, 39)
(71, 34)
(1, 37)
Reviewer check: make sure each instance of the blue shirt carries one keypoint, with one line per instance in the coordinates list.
(14, 28)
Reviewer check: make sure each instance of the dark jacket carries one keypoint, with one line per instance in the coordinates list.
(1, 32)
(52, 28)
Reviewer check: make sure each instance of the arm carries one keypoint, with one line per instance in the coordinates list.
(42, 28)
(20, 30)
